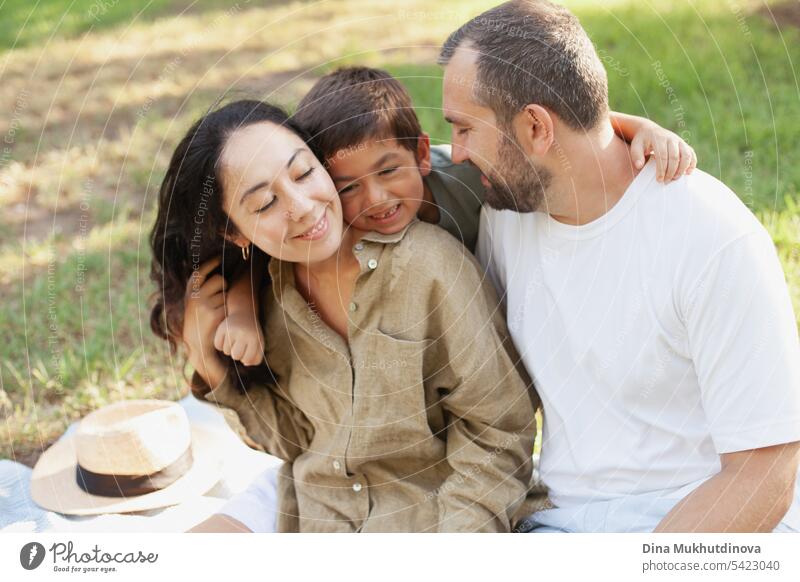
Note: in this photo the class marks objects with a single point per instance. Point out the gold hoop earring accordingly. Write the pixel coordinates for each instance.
(246, 252)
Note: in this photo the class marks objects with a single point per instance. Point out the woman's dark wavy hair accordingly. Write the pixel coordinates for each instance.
(191, 222)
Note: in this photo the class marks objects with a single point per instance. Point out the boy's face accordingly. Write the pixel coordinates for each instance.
(380, 183)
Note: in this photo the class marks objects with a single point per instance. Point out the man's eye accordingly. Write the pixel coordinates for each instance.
(463, 131)
(387, 171)
(266, 206)
(306, 174)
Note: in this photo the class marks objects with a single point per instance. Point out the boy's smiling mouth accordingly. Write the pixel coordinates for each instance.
(386, 216)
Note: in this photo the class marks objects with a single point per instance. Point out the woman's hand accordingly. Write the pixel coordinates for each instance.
(204, 310)
(674, 157)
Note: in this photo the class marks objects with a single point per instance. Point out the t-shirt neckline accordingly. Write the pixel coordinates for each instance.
(604, 223)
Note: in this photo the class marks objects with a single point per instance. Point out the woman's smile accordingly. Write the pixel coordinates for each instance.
(318, 230)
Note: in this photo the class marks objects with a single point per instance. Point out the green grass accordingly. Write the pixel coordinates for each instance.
(101, 106)
(25, 23)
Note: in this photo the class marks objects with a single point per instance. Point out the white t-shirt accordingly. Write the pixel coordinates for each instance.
(659, 336)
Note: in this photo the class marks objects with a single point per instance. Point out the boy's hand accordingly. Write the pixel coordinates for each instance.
(204, 308)
(240, 336)
(674, 157)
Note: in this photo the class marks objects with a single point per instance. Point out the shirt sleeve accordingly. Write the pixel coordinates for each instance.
(742, 336)
(269, 418)
(491, 424)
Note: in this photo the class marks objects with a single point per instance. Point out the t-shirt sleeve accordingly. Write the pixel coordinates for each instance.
(486, 255)
(742, 336)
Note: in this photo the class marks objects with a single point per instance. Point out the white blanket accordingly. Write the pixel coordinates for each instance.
(18, 513)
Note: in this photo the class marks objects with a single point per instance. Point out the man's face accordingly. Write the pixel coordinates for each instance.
(512, 180)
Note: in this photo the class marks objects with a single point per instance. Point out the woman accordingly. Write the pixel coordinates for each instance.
(392, 393)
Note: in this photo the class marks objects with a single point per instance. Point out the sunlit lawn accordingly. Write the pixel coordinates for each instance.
(95, 101)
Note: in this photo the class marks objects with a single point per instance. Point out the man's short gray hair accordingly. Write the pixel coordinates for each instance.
(533, 51)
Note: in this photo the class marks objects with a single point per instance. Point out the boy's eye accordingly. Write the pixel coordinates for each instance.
(305, 175)
(463, 131)
(386, 171)
(348, 188)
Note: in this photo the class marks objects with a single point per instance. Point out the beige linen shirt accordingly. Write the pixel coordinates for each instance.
(423, 421)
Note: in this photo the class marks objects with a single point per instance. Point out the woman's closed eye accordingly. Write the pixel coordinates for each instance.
(302, 177)
(266, 206)
(387, 171)
(305, 174)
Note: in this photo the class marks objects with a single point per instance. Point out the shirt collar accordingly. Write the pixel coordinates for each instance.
(282, 272)
(377, 237)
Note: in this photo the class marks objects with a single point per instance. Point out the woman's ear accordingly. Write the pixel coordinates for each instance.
(424, 153)
(236, 238)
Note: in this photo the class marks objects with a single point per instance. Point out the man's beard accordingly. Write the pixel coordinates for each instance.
(517, 183)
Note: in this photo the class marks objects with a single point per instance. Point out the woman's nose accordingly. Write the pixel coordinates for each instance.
(299, 206)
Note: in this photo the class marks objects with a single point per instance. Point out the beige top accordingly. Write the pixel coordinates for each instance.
(421, 423)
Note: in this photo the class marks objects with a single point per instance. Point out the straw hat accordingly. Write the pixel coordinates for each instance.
(129, 456)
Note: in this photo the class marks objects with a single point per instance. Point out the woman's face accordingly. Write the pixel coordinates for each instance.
(278, 195)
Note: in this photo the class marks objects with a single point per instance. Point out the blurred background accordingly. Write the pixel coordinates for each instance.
(96, 93)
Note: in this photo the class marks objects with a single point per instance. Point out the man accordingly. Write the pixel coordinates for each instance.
(654, 318)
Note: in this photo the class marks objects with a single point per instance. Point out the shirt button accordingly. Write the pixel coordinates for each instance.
(356, 487)
(372, 263)
(353, 306)
(359, 247)
(337, 465)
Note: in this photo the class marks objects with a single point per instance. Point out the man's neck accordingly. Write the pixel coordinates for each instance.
(599, 171)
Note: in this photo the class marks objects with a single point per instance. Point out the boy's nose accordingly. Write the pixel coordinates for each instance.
(376, 194)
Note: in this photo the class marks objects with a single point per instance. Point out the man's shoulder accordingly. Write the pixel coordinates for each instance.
(698, 208)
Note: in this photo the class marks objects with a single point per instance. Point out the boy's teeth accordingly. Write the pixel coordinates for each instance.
(387, 213)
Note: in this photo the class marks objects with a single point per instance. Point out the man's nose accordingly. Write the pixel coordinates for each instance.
(458, 152)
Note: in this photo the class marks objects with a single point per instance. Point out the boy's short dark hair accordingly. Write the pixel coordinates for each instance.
(534, 51)
(353, 104)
